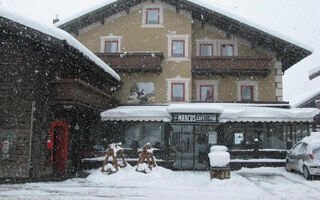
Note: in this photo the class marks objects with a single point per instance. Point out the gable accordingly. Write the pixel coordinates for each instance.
(288, 52)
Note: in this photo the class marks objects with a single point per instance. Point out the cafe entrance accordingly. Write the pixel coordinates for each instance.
(191, 145)
(191, 141)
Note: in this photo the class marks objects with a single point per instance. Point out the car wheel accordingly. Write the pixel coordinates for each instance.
(288, 168)
(306, 173)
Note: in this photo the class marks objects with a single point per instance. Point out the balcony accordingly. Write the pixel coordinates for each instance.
(133, 61)
(79, 92)
(232, 65)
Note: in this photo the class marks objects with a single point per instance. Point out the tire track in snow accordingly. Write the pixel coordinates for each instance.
(258, 184)
(266, 189)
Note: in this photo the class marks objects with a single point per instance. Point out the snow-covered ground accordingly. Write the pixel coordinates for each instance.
(245, 184)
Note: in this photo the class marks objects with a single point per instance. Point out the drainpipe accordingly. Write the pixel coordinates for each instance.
(31, 134)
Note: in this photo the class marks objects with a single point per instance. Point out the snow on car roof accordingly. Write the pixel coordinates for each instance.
(59, 34)
(314, 138)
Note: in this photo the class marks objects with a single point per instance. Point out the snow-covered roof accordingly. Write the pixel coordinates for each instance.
(250, 23)
(194, 108)
(306, 98)
(282, 43)
(314, 73)
(137, 113)
(59, 34)
(265, 114)
(229, 113)
(86, 11)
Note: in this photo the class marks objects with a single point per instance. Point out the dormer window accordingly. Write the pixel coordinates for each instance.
(227, 49)
(153, 16)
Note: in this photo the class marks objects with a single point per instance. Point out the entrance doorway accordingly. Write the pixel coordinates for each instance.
(191, 145)
(60, 145)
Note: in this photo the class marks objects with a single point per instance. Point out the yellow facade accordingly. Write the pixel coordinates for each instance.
(136, 38)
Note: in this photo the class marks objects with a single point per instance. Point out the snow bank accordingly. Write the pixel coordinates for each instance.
(59, 34)
(219, 157)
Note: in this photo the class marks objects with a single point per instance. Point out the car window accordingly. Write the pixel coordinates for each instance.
(296, 149)
(303, 148)
(316, 153)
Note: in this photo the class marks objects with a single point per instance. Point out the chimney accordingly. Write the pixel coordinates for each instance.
(56, 19)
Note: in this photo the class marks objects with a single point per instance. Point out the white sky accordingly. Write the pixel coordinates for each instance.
(298, 19)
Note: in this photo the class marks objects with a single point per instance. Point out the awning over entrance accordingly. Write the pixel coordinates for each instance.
(229, 112)
(137, 113)
(267, 114)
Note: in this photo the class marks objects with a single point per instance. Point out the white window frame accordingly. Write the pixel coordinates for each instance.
(255, 86)
(215, 84)
(207, 41)
(144, 16)
(104, 39)
(234, 43)
(172, 37)
(178, 79)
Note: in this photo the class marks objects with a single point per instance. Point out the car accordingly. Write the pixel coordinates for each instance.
(304, 157)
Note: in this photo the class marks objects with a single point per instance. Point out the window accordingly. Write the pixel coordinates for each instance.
(139, 134)
(111, 46)
(153, 16)
(7, 145)
(206, 49)
(238, 138)
(206, 92)
(178, 48)
(227, 49)
(247, 93)
(177, 92)
(142, 93)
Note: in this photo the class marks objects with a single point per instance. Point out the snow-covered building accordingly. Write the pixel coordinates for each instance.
(226, 73)
(52, 90)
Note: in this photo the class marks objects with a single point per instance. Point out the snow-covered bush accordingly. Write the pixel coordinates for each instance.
(219, 157)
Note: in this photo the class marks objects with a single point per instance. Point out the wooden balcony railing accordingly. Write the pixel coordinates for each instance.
(74, 90)
(133, 61)
(231, 65)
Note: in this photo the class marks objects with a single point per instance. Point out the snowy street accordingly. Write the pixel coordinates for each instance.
(259, 183)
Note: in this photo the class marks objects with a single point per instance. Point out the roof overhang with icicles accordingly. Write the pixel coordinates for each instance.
(228, 113)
